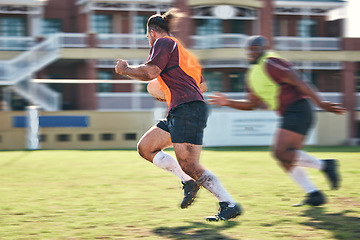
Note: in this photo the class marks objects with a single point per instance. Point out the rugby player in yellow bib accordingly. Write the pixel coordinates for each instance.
(273, 82)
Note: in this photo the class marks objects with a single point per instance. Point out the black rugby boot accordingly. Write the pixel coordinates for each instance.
(191, 188)
(225, 212)
(332, 173)
(315, 198)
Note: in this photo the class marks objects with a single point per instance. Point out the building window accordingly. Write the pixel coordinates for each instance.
(140, 25)
(12, 26)
(208, 27)
(314, 79)
(276, 27)
(104, 87)
(307, 28)
(311, 77)
(214, 81)
(281, 27)
(51, 26)
(101, 23)
(237, 81)
(237, 26)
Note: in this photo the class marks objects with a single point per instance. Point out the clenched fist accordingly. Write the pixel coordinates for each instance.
(121, 66)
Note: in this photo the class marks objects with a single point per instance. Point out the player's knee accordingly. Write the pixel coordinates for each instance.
(284, 156)
(141, 149)
(146, 151)
(276, 154)
(281, 160)
(286, 166)
(279, 155)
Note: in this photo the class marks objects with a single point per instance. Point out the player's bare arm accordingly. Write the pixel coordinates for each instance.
(144, 72)
(294, 78)
(250, 103)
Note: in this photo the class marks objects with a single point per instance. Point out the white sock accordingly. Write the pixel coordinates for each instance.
(298, 174)
(210, 182)
(167, 162)
(306, 160)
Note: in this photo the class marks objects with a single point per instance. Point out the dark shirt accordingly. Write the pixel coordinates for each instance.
(278, 69)
(180, 86)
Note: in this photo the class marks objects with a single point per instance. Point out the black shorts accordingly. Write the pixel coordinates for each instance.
(186, 122)
(298, 117)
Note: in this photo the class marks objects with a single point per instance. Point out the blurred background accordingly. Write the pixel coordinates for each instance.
(49, 49)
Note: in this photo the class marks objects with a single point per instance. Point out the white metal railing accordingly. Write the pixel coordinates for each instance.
(138, 100)
(307, 43)
(318, 65)
(214, 63)
(336, 97)
(113, 40)
(29, 62)
(127, 40)
(106, 63)
(144, 101)
(16, 43)
(17, 73)
(127, 101)
(69, 40)
(110, 63)
(73, 40)
(132, 1)
(243, 63)
(219, 41)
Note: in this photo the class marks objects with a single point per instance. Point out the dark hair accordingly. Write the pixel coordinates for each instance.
(257, 41)
(165, 22)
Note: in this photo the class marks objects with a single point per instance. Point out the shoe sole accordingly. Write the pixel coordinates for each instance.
(217, 219)
(303, 204)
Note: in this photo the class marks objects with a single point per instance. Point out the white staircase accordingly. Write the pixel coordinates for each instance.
(17, 74)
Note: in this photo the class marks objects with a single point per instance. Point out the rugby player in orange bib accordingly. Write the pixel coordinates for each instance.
(273, 81)
(179, 75)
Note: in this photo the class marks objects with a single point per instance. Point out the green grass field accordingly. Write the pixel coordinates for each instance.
(114, 194)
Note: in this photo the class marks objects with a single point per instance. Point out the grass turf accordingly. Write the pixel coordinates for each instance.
(114, 194)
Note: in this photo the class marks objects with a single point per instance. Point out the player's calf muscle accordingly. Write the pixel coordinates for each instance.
(194, 170)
